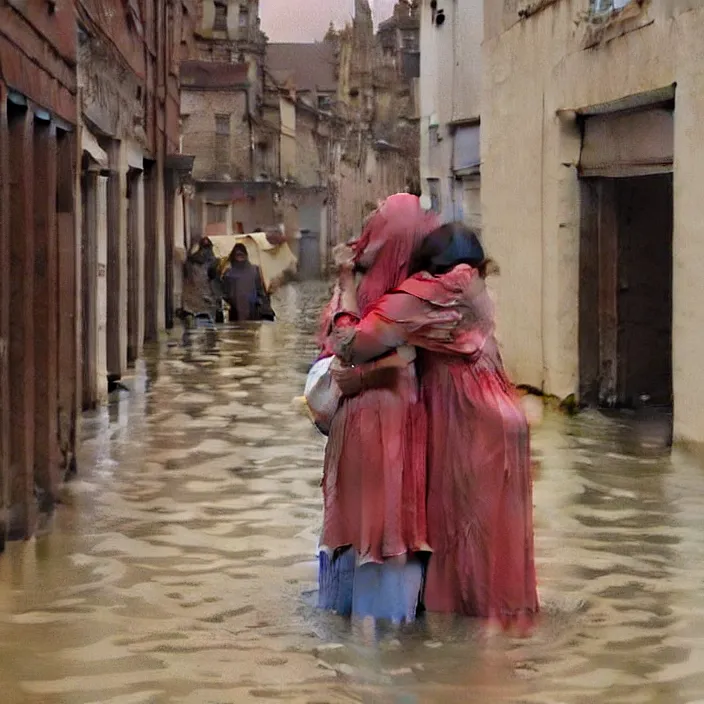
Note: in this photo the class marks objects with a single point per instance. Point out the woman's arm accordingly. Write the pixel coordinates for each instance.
(385, 328)
(379, 374)
(348, 292)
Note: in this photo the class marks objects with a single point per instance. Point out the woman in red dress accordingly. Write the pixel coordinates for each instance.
(480, 511)
(374, 482)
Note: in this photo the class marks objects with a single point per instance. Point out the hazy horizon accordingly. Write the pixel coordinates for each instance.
(308, 20)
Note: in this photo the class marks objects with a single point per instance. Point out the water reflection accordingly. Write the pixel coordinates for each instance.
(181, 571)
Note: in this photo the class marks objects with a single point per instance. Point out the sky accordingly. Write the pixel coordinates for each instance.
(308, 20)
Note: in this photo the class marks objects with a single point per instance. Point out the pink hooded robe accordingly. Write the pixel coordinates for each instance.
(374, 482)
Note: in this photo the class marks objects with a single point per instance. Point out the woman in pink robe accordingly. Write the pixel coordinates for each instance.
(480, 511)
(374, 482)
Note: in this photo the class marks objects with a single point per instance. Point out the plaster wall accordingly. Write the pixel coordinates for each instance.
(536, 71)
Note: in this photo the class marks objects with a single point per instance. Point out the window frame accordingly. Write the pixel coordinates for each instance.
(220, 18)
(600, 8)
(221, 210)
(220, 120)
(435, 194)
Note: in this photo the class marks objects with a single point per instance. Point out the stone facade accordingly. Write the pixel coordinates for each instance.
(215, 120)
(450, 108)
(590, 124)
(221, 108)
(330, 127)
(128, 74)
(378, 97)
(228, 31)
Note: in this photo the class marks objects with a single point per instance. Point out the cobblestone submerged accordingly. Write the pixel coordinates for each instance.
(181, 569)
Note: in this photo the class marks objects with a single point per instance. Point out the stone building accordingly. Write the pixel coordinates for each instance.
(300, 103)
(257, 119)
(228, 31)
(397, 77)
(304, 136)
(221, 126)
(356, 121)
(377, 94)
(450, 112)
(90, 215)
(132, 177)
(592, 172)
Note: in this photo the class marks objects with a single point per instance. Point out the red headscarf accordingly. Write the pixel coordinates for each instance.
(392, 233)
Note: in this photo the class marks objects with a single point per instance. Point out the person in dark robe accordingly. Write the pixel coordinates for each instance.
(244, 290)
(200, 290)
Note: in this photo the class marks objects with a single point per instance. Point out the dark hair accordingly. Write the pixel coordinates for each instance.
(447, 247)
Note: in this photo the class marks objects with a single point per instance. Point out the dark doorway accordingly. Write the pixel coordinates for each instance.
(89, 281)
(135, 266)
(309, 260)
(152, 302)
(626, 291)
(309, 255)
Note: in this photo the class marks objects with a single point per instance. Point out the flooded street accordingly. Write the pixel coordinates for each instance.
(181, 569)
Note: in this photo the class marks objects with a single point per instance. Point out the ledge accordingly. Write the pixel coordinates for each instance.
(528, 8)
(600, 29)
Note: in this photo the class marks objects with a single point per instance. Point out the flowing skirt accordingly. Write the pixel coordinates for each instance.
(374, 490)
(480, 507)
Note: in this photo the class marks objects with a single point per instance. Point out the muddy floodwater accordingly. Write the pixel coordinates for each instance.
(181, 567)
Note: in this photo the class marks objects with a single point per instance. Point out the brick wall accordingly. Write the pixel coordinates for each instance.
(49, 78)
(216, 155)
(310, 170)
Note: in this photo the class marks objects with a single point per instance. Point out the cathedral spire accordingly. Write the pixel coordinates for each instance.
(362, 9)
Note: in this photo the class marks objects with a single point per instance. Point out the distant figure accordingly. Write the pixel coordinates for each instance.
(244, 289)
(200, 294)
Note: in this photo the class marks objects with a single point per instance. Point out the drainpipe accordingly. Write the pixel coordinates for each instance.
(251, 131)
(280, 175)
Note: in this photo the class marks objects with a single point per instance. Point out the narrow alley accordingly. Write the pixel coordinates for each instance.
(181, 568)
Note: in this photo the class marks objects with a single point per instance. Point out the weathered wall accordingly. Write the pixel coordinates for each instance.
(112, 97)
(289, 145)
(450, 88)
(27, 30)
(359, 189)
(550, 62)
(250, 204)
(395, 109)
(467, 38)
(436, 83)
(270, 143)
(309, 168)
(216, 155)
(39, 307)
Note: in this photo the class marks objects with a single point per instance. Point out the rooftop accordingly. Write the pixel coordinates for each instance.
(310, 66)
(213, 76)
